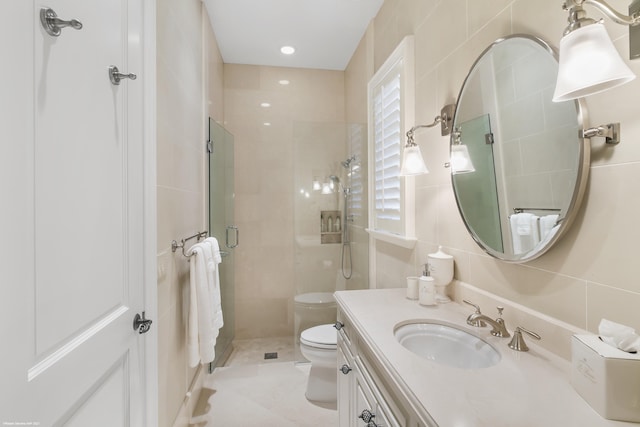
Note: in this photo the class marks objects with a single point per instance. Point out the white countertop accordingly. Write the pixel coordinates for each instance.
(525, 389)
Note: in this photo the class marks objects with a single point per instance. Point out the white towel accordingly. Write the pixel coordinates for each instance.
(202, 334)
(214, 279)
(524, 232)
(547, 222)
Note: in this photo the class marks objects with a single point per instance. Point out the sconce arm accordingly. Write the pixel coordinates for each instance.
(605, 8)
(444, 119)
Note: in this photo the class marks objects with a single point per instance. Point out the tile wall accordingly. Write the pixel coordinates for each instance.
(189, 79)
(590, 273)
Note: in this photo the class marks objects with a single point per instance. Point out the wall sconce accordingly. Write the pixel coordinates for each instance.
(589, 63)
(460, 158)
(412, 161)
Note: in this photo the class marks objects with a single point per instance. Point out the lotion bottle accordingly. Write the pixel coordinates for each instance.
(427, 288)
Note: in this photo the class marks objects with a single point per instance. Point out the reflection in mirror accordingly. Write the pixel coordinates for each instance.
(529, 163)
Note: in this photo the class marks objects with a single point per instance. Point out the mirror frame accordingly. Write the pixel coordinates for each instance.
(582, 173)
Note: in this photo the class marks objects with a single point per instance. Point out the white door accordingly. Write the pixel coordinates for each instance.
(72, 225)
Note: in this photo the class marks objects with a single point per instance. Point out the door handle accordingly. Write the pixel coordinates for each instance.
(237, 237)
(54, 25)
(115, 75)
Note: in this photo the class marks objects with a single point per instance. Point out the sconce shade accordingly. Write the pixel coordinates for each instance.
(326, 188)
(461, 160)
(412, 162)
(589, 64)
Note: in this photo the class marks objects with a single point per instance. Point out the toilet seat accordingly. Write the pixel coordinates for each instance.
(322, 336)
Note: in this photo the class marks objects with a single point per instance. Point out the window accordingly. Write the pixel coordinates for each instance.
(391, 104)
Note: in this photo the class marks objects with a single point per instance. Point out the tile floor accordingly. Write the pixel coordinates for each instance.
(250, 391)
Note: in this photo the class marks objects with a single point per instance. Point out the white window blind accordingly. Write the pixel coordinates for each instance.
(391, 101)
(387, 153)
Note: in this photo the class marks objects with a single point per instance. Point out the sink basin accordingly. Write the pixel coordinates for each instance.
(447, 345)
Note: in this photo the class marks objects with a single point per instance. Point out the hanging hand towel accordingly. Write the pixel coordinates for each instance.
(524, 232)
(201, 334)
(214, 277)
(547, 223)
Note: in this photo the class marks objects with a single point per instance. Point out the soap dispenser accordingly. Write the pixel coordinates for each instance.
(427, 288)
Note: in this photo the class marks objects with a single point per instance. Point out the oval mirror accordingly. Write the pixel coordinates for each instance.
(518, 165)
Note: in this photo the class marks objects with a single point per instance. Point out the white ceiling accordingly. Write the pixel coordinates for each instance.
(325, 33)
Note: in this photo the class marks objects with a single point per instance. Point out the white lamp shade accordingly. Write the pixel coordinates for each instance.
(589, 64)
(460, 159)
(412, 162)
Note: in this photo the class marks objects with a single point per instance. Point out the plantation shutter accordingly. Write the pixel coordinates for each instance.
(387, 156)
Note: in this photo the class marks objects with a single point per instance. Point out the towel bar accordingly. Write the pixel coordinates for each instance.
(521, 210)
(175, 245)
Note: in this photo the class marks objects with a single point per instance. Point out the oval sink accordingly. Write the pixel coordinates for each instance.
(447, 345)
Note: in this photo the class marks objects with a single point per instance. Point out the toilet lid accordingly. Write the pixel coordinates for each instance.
(322, 336)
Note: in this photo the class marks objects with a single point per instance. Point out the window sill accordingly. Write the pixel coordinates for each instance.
(394, 239)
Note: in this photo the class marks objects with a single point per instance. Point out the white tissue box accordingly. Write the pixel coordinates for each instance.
(606, 377)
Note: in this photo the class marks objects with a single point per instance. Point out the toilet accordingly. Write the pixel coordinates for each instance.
(318, 345)
(315, 315)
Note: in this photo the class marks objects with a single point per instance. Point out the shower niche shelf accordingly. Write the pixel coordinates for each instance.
(330, 227)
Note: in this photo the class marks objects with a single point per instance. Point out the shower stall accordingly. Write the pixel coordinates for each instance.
(329, 218)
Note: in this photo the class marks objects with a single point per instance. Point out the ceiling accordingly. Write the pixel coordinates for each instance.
(325, 33)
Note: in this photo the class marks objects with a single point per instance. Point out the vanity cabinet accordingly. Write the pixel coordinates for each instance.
(364, 399)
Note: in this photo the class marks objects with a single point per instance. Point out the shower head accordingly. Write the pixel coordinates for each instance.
(347, 163)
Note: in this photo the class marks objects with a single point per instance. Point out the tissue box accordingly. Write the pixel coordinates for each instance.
(606, 377)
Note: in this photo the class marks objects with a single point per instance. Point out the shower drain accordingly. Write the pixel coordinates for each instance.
(270, 355)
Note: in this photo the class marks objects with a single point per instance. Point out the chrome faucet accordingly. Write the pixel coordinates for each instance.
(499, 328)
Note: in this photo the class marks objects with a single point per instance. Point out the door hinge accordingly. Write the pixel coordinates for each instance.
(209, 147)
(488, 138)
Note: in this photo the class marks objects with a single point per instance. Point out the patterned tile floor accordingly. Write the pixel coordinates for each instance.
(250, 391)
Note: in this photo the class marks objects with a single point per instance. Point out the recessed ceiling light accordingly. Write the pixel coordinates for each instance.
(265, 104)
(287, 50)
(284, 82)
(267, 124)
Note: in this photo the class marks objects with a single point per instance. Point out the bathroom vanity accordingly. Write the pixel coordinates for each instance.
(382, 383)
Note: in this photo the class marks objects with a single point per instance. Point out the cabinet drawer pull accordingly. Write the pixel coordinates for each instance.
(339, 325)
(366, 415)
(345, 369)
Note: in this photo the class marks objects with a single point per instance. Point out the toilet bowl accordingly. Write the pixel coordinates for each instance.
(318, 345)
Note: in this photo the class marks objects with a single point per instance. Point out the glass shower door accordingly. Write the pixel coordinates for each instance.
(221, 220)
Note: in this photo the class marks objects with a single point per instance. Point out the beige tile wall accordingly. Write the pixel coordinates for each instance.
(592, 272)
(189, 74)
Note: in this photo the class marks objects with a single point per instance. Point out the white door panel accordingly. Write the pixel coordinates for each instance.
(80, 155)
(75, 359)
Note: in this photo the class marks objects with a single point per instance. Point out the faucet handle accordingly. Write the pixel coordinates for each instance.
(517, 342)
(474, 322)
(500, 309)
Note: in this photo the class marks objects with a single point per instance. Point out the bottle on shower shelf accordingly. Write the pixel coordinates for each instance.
(337, 224)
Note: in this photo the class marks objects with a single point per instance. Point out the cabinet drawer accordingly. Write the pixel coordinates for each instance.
(384, 415)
